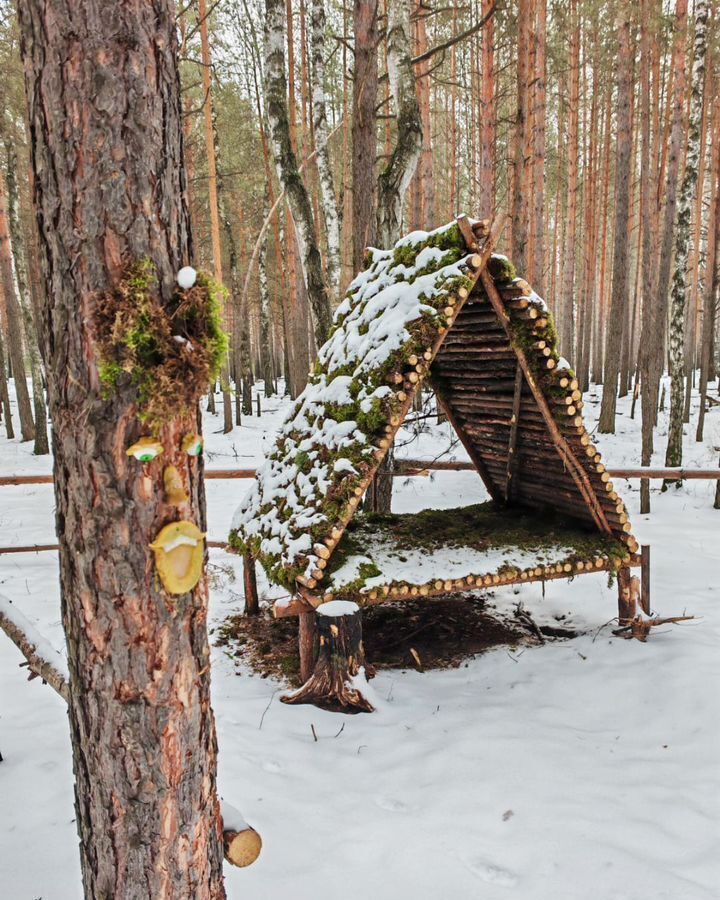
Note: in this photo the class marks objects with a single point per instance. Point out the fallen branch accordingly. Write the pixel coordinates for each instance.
(43, 660)
(242, 844)
(639, 627)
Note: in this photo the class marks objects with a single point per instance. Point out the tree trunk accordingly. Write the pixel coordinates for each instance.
(426, 180)
(327, 186)
(109, 191)
(488, 115)
(364, 144)
(340, 671)
(266, 347)
(650, 346)
(4, 394)
(537, 258)
(395, 178)
(287, 167)
(14, 322)
(520, 195)
(620, 279)
(210, 148)
(673, 455)
(31, 336)
(712, 274)
(567, 288)
(670, 192)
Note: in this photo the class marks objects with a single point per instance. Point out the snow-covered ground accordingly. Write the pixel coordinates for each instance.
(586, 768)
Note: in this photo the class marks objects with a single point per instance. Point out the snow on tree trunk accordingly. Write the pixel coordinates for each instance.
(109, 189)
(395, 178)
(673, 455)
(327, 188)
(287, 167)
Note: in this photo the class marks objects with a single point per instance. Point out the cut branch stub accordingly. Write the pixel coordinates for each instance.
(340, 671)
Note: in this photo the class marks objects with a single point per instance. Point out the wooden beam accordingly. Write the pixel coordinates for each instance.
(297, 605)
(512, 441)
(645, 578)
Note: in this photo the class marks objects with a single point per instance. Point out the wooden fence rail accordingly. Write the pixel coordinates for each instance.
(403, 468)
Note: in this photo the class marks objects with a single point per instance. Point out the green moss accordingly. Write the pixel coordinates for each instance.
(406, 255)
(502, 270)
(136, 333)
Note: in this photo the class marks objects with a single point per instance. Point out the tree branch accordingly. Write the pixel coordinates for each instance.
(428, 54)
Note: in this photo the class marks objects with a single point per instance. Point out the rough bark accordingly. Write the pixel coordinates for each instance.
(620, 279)
(425, 172)
(673, 455)
(41, 446)
(336, 681)
(14, 321)
(327, 186)
(266, 347)
(106, 139)
(395, 178)
(365, 89)
(288, 171)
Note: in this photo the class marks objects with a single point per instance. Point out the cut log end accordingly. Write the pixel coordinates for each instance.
(242, 848)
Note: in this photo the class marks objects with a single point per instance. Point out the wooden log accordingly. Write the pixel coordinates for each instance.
(628, 594)
(337, 679)
(241, 843)
(252, 601)
(22, 633)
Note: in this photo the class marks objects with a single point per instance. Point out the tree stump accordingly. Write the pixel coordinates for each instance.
(340, 671)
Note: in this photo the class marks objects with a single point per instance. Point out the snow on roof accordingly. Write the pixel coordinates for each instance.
(329, 442)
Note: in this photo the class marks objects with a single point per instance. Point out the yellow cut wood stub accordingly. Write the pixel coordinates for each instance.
(242, 848)
(179, 550)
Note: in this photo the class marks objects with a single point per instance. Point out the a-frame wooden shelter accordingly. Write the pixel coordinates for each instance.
(439, 306)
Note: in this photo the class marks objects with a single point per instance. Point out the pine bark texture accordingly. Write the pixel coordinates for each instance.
(488, 115)
(567, 287)
(673, 455)
(106, 137)
(520, 199)
(621, 276)
(287, 166)
(395, 178)
(320, 126)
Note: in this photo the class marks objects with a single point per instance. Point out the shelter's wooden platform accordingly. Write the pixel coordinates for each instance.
(436, 552)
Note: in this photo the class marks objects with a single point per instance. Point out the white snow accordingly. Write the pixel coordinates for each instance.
(335, 608)
(186, 277)
(580, 769)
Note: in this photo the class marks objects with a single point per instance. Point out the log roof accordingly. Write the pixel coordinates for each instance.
(439, 306)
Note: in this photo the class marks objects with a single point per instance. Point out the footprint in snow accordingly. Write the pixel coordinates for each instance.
(391, 804)
(271, 766)
(491, 874)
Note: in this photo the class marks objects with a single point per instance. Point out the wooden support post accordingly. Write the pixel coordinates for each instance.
(645, 578)
(627, 596)
(337, 679)
(252, 602)
(512, 443)
(306, 642)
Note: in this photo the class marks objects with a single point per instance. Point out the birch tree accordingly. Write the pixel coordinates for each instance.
(288, 171)
(327, 186)
(395, 178)
(673, 455)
